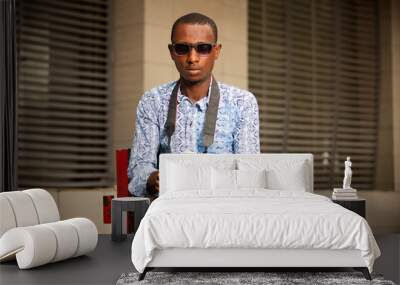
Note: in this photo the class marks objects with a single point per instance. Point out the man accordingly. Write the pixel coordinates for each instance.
(195, 113)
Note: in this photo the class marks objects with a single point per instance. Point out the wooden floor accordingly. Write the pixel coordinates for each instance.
(110, 260)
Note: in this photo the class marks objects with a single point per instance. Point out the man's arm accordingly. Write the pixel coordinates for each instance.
(246, 135)
(143, 160)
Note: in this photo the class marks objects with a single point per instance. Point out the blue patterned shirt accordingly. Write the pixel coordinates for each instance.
(236, 131)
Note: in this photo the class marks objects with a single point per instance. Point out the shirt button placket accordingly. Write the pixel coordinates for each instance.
(194, 131)
(190, 126)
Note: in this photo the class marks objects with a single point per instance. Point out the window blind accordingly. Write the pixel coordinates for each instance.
(63, 93)
(313, 68)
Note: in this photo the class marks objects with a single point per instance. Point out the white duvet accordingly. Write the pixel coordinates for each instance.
(252, 218)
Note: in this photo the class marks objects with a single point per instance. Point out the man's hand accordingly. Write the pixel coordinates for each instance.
(153, 184)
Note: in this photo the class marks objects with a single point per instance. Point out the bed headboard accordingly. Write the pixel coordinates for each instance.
(231, 160)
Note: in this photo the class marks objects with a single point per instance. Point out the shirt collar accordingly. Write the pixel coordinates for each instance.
(202, 104)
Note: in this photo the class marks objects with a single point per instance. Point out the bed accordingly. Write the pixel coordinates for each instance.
(238, 210)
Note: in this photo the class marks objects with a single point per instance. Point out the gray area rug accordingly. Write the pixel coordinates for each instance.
(275, 278)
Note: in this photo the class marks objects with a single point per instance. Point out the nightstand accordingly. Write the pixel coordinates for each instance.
(356, 205)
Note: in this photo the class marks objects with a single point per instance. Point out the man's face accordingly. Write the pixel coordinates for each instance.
(194, 67)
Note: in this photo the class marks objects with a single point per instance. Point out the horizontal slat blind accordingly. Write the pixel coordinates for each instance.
(63, 93)
(313, 68)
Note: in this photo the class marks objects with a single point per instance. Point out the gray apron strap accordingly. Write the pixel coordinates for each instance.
(210, 120)
(211, 116)
(171, 117)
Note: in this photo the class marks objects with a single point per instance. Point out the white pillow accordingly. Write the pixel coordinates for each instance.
(289, 180)
(223, 179)
(251, 178)
(282, 174)
(184, 177)
(226, 179)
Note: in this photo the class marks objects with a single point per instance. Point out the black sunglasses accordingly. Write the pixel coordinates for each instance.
(184, 49)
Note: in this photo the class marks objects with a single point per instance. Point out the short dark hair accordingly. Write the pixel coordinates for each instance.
(195, 18)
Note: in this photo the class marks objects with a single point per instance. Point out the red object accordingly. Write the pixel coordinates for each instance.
(107, 209)
(122, 161)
